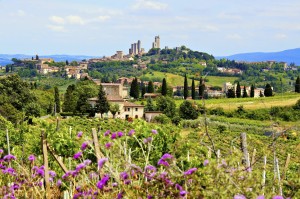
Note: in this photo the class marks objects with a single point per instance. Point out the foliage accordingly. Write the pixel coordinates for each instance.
(56, 100)
(134, 89)
(245, 94)
(297, 85)
(102, 105)
(193, 89)
(268, 92)
(114, 108)
(230, 93)
(187, 110)
(252, 91)
(149, 105)
(150, 88)
(201, 88)
(164, 87)
(238, 90)
(185, 88)
(166, 105)
(69, 99)
(162, 119)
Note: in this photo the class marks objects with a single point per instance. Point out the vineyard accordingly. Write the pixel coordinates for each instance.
(93, 158)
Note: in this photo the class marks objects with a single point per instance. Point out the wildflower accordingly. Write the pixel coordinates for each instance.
(58, 183)
(127, 181)
(120, 195)
(87, 162)
(80, 166)
(101, 162)
(178, 187)
(120, 134)
(108, 145)
(182, 193)
(149, 197)
(79, 135)
(9, 157)
(77, 155)
(31, 158)
(103, 182)
(9, 171)
(1, 151)
(162, 160)
(114, 184)
(131, 132)
(113, 136)
(278, 197)
(52, 174)
(206, 162)
(93, 175)
(260, 197)
(77, 195)
(154, 131)
(190, 171)
(147, 140)
(167, 156)
(123, 175)
(107, 133)
(239, 197)
(84, 145)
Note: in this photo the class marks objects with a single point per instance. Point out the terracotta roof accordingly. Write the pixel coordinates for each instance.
(130, 104)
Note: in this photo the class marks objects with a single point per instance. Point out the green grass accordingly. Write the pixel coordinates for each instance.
(177, 80)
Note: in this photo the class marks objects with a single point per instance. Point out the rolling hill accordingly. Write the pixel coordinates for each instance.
(289, 56)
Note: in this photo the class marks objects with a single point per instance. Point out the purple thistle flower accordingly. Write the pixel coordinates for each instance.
(123, 175)
(77, 195)
(149, 197)
(120, 195)
(239, 196)
(31, 158)
(190, 171)
(103, 182)
(113, 136)
(58, 183)
(154, 131)
(182, 193)
(1, 151)
(107, 133)
(87, 162)
(260, 197)
(114, 184)
(147, 140)
(93, 175)
(127, 181)
(131, 132)
(80, 166)
(79, 135)
(120, 134)
(278, 197)
(206, 162)
(178, 187)
(108, 145)
(9, 171)
(163, 162)
(9, 157)
(150, 167)
(101, 162)
(84, 145)
(77, 155)
(52, 174)
(166, 156)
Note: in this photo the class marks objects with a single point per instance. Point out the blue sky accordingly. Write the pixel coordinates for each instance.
(100, 27)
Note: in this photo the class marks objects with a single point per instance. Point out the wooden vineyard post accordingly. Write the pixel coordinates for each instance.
(61, 164)
(264, 174)
(45, 156)
(7, 139)
(245, 150)
(286, 166)
(96, 144)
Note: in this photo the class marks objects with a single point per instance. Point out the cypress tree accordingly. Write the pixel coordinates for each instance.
(56, 99)
(231, 93)
(193, 90)
(201, 88)
(245, 94)
(69, 99)
(150, 87)
(134, 89)
(297, 85)
(164, 87)
(143, 90)
(252, 91)
(102, 105)
(238, 90)
(185, 88)
(268, 92)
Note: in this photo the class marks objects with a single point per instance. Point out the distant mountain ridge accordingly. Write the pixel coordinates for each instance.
(289, 56)
(6, 58)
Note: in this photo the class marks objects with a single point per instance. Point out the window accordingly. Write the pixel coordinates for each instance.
(128, 109)
(136, 109)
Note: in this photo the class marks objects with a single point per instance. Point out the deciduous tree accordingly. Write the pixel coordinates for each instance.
(268, 92)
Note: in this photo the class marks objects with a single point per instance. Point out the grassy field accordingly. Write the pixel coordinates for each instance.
(176, 80)
(229, 104)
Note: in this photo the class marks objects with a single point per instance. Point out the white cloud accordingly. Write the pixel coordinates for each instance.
(280, 36)
(57, 20)
(234, 36)
(76, 20)
(18, 13)
(152, 5)
(56, 28)
(101, 18)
